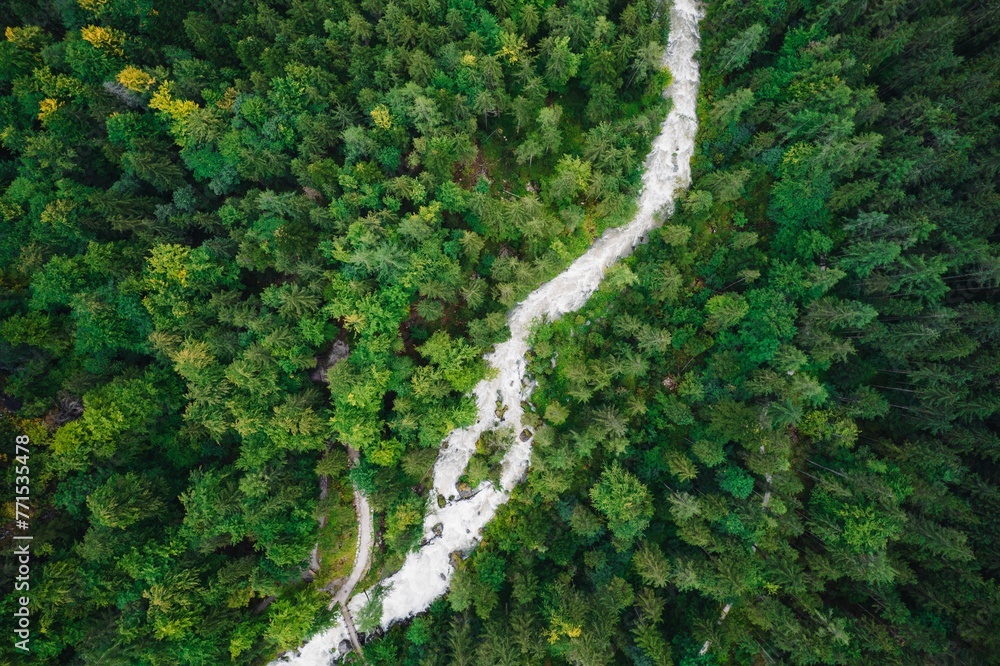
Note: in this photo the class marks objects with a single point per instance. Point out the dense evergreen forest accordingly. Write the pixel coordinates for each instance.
(778, 443)
(205, 202)
(238, 238)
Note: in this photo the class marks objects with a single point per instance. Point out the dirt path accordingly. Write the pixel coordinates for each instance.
(363, 553)
(362, 557)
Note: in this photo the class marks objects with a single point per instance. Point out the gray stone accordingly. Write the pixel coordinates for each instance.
(338, 352)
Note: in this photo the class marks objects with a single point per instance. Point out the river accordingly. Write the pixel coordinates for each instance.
(426, 573)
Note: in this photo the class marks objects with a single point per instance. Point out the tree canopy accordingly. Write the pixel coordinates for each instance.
(238, 237)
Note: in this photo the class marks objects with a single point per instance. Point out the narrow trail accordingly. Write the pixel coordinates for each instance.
(366, 537)
(426, 573)
(362, 558)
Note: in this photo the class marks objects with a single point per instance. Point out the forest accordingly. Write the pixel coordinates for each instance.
(241, 239)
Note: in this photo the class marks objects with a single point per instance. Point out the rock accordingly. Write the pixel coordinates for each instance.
(438, 529)
(464, 490)
(262, 606)
(70, 409)
(441, 501)
(345, 646)
(338, 352)
(525, 435)
(314, 559)
(334, 585)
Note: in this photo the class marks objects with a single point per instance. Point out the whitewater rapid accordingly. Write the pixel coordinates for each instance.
(426, 573)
